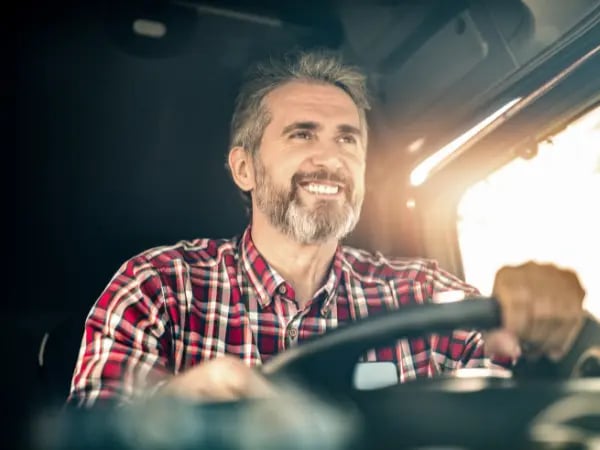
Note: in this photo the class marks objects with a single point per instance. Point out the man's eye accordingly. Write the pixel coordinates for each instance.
(304, 135)
(348, 139)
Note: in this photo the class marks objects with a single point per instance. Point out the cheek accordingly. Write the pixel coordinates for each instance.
(359, 182)
(282, 174)
(358, 169)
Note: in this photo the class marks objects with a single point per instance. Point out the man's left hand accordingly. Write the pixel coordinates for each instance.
(541, 306)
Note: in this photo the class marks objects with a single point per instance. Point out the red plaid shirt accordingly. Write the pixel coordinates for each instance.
(170, 308)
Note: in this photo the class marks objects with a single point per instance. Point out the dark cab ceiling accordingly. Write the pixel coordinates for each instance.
(121, 138)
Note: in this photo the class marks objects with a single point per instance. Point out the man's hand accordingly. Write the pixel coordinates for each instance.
(541, 306)
(223, 379)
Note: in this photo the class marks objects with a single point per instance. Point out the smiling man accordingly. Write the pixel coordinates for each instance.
(306, 176)
(196, 318)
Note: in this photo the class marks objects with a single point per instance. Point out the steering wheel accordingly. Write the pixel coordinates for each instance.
(444, 412)
(326, 363)
(474, 412)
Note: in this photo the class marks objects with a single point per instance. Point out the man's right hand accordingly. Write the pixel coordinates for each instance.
(223, 379)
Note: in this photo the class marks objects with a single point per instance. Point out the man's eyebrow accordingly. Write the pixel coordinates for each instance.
(309, 125)
(350, 129)
(303, 125)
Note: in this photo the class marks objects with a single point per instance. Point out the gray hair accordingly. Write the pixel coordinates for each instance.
(251, 117)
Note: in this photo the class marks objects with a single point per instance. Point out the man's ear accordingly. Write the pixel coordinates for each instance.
(242, 169)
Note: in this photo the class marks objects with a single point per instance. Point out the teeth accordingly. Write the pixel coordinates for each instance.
(322, 188)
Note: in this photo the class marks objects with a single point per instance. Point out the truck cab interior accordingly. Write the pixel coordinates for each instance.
(484, 150)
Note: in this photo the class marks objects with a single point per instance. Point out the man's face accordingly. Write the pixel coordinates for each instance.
(310, 167)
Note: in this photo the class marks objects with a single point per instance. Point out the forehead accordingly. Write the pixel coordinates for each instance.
(296, 101)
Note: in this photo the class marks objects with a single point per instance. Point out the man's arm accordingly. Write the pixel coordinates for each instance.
(127, 350)
(126, 344)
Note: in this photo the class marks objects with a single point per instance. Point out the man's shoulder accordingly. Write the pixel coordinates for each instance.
(375, 266)
(199, 252)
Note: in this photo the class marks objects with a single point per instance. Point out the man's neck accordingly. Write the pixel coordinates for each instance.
(305, 267)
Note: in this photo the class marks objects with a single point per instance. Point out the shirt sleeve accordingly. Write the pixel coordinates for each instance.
(125, 349)
(462, 348)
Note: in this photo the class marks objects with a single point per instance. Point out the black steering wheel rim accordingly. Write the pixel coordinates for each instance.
(326, 363)
(481, 412)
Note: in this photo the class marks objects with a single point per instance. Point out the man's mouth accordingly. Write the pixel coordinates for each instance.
(322, 188)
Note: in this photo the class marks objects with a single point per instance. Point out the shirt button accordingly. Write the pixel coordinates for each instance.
(282, 289)
(292, 332)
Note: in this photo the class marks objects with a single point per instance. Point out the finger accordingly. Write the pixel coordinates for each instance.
(512, 292)
(545, 320)
(560, 347)
(552, 327)
(241, 381)
(574, 287)
(557, 308)
(220, 379)
(259, 386)
(502, 343)
(561, 315)
(230, 377)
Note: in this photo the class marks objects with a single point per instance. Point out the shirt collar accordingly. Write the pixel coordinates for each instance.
(266, 281)
(263, 278)
(329, 290)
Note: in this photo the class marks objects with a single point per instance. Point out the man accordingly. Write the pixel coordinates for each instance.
(196, 318)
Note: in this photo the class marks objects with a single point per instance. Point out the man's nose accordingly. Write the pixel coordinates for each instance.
(327, 155)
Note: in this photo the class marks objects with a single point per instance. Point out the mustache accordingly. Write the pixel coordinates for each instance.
(323, 175)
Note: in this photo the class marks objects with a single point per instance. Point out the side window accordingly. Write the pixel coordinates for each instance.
(545, 209)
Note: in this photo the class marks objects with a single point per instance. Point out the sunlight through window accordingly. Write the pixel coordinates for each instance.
(545, 209)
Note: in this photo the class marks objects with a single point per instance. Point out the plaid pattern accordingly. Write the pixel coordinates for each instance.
(170, 308)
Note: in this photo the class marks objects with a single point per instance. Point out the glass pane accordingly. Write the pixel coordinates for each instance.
(545, 209)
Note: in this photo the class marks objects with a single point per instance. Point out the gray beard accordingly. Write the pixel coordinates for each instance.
(288, 214)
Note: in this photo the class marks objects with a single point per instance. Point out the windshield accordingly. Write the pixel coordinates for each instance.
(546, 209)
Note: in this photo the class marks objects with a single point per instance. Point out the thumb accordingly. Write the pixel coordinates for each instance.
(502, 342)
